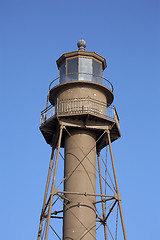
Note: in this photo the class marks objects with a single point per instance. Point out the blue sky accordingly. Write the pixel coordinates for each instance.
(34, 34)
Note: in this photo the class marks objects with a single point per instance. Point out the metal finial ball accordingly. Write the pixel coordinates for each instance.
(81, 44)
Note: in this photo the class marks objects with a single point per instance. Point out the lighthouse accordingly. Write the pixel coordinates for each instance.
(80, 119)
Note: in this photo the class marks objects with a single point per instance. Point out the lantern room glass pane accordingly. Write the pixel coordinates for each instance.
(85, 69)
(62, 72)
(97, 72)
(72, 69)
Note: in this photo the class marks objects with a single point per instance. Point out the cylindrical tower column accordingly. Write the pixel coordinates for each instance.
(79, 219)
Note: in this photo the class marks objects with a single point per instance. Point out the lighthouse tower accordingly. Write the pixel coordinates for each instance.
(79, 123)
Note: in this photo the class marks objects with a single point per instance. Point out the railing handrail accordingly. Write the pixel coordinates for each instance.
(85, 98)
(78, 73)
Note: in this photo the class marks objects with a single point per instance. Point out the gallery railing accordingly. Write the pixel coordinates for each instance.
(80, 106)
(73, 77)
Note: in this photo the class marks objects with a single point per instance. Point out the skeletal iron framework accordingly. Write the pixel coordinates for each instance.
(58, 122)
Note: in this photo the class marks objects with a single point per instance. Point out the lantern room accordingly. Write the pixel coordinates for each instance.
(81, 65)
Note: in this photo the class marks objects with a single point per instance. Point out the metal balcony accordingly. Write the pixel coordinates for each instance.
(78, 106)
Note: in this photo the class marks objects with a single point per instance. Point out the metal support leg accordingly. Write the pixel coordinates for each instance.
(103, 204)
(45, 195)
(53, 184)
(116, 182)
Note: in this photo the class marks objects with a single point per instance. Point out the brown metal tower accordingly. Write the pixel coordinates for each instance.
(83, 123)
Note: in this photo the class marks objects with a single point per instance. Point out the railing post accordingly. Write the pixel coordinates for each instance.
(41, 117)
(88, 105)
(106, 110)
(114, 112)
(57, 107)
